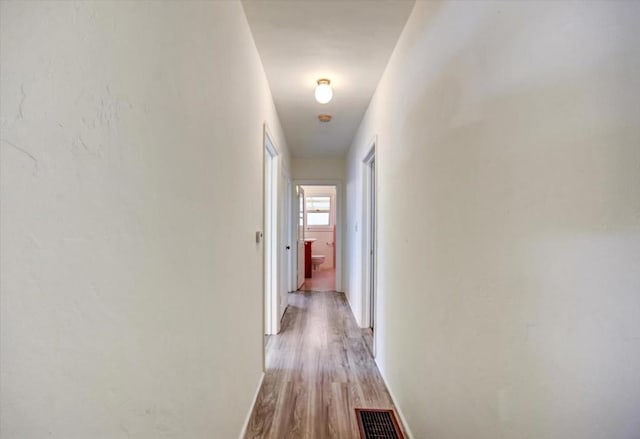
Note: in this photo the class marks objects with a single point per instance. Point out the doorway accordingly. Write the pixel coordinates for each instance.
(270, 237)
(369, 250)
(319, 233)
(300, 221)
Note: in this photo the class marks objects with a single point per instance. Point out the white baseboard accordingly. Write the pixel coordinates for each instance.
(403, 420)
(253, 403)
(346, 296)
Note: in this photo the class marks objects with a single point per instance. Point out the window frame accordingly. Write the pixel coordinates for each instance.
(330, 211)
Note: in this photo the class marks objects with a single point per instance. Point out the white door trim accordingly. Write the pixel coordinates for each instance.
(271, 173)
(369, 247)
(293, 237)
(284, 241)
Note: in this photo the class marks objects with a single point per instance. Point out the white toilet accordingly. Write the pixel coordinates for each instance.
(316, 261)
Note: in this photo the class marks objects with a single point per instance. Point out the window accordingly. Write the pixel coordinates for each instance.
(318, 219)
(319, 211)
(301, 207)
(318, 203)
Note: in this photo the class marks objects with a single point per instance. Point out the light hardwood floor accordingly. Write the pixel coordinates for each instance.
(318, 370)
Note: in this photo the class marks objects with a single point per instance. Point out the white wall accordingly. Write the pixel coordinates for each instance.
(318, 169)
(509, 220)
(132, 163)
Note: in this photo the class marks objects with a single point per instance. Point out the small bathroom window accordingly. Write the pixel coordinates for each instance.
(318, 219)
(319, 211)
(319, 203)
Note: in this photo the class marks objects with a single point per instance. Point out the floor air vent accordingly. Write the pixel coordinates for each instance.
(378, 424)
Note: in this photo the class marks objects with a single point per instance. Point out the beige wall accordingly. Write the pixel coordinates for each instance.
(131, 138)
(318, 169)
(509, 220)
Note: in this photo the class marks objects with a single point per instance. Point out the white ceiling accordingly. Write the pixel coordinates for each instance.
(346, 41)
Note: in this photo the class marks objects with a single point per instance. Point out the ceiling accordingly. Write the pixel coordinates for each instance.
(346, 41)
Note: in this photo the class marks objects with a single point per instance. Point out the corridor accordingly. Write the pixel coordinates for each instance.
(318, 371)
(465, 174)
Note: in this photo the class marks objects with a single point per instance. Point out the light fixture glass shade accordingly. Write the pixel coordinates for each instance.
(323, 91)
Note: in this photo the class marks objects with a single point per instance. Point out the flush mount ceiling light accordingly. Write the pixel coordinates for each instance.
(323, 91)
(324, 117)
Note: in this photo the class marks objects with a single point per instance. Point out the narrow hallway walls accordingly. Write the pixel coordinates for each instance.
(508, 166)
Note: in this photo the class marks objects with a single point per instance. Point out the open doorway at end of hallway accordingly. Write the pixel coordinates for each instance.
(318, 223)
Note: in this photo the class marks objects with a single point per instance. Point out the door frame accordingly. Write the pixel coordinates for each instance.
(271, 170)
(284, 242)
(339, 220)
(291, 188)
(369, 242)
(295, 281)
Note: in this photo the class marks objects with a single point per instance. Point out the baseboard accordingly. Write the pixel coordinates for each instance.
(346, 296)
(253, 403)
(284, 312)
(403, 420)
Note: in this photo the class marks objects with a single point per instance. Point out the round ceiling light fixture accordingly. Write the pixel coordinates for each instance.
(323, 91)
(324, 117)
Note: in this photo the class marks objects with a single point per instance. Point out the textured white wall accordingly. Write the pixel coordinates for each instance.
(509, 220)
(131, 190)
(318, 169)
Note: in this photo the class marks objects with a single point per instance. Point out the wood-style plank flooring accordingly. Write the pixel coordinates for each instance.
(318, 370)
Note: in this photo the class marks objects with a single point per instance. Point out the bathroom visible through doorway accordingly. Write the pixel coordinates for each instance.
(317, 222)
